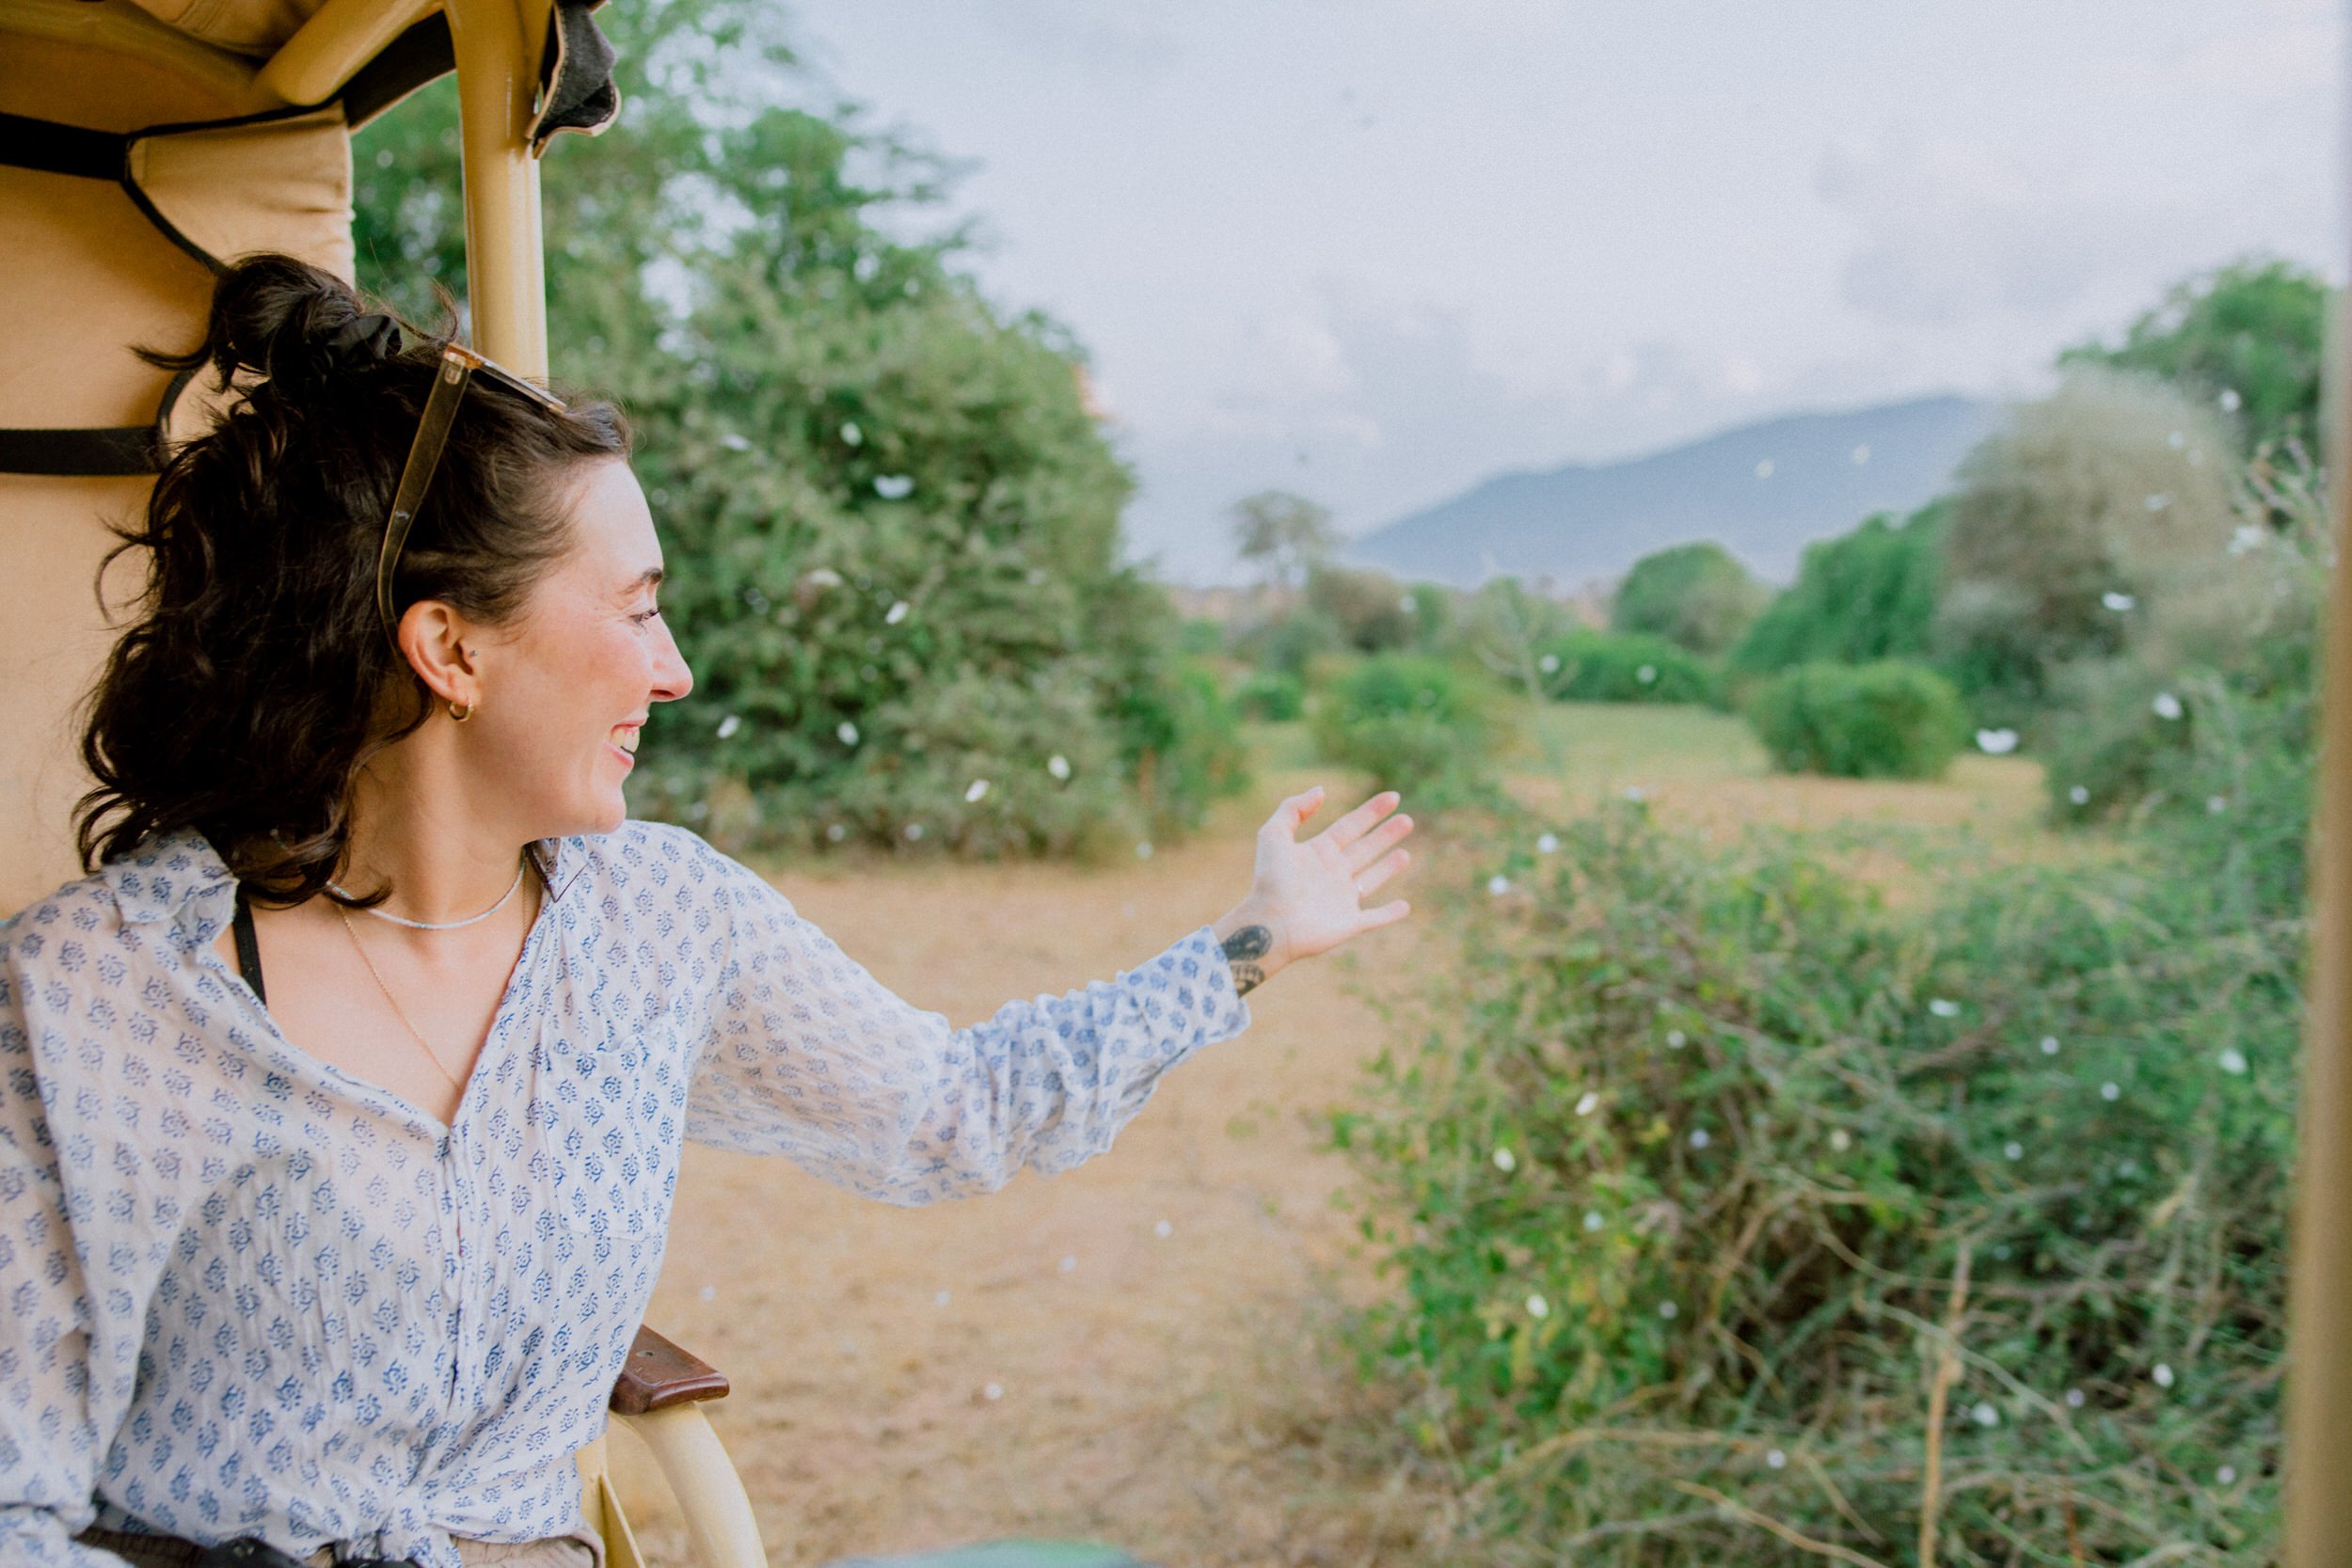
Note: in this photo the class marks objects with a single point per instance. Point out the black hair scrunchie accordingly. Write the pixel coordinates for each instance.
(359, 342)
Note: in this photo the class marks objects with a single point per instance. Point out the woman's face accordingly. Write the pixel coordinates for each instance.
(569, 681)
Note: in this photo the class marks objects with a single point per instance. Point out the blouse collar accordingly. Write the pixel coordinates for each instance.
(167, 871)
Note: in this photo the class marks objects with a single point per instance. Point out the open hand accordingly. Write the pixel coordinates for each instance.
(1308, 898)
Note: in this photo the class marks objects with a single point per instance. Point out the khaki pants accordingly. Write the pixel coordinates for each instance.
(584, 1550)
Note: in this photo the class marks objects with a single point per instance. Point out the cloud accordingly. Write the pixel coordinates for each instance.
(1952, 232)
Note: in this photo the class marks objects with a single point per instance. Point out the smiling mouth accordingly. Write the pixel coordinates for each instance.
(625, 737)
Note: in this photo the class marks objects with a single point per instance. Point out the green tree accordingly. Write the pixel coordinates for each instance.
(2248, 338)
(1862, 597)
(1695, 595)
(894, 523)
(1282, 535)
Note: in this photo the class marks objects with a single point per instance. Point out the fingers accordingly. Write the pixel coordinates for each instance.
(1387, 914)
(1357, 823)
(1386, 836)
(1395, 862)
(1292, 812)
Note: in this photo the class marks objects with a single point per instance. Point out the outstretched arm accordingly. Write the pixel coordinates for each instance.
(1309, 897)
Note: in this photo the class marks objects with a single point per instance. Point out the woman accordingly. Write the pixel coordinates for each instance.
(344, 1100)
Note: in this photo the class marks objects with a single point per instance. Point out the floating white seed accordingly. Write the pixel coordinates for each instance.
(1498, 884)
(1058, 766)
(1776, 1459)
(2233, 1060)
(1547, 844)
(2080, 795)
(1840, 1141)
(1163, 1229)
(1505, 1161)
(975, 790)
(848, 732)
(1539, 1307)
(1676, 1040)
(1068, 1264)
(1593, 1220)
(728, 725)
(1667, 1309)
(993, 1391)
(896, 613)
(942, 1299)
(1942, 1008)
(2049, 1045)
(1587, 1103)
(2074, 1398)
(1698, 1137)
(2012, 1152)
(2163, 1375)
(1984, 1415)
(2166, 706)
(2111, 1091)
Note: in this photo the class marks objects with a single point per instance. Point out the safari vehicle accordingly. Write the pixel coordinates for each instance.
(143, 143)
(141, 147)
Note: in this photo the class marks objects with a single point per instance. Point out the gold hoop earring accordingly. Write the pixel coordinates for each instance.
(461, 713)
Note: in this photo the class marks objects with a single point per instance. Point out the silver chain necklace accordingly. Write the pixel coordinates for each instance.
(441, 925)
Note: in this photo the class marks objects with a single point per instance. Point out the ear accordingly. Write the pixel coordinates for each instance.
(438, 644)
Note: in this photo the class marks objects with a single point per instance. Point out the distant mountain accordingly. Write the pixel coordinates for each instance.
(1763, 491)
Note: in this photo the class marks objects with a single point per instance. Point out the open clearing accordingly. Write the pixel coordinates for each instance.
(1163, 1393)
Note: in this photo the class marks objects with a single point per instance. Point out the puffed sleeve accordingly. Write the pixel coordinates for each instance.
(50, 1443)
(807, 1056)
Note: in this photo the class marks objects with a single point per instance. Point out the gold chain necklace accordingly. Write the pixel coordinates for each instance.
(398, 1011)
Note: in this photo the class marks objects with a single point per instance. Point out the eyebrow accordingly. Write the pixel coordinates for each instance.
(650, 578)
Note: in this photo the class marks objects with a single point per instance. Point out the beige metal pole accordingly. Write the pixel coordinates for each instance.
(497, 75)
(2319, 1302)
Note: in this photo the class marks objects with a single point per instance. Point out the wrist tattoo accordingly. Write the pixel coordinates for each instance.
(1242, 949)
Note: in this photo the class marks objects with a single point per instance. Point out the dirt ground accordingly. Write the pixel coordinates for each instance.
(1129, 1353)
(1160, 1392)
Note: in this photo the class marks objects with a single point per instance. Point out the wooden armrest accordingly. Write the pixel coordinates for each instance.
(659, 1376)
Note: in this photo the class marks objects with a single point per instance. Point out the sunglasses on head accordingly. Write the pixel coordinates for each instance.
(459, 366)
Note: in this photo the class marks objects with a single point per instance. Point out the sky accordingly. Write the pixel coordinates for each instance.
(1375, 251)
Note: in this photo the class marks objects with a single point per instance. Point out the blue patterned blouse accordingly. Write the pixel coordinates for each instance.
(246, 1293)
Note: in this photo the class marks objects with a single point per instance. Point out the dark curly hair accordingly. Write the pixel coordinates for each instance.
(257, 679)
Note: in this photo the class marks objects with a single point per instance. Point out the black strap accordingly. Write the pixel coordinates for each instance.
(425, 52)
(56, 149)
(93, 452)
(249, 948)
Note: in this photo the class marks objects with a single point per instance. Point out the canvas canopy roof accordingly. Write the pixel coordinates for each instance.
(143, 145)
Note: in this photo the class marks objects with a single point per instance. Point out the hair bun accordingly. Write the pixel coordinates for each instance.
(294, 323)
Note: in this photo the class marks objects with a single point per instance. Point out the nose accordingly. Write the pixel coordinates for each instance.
(672, 679)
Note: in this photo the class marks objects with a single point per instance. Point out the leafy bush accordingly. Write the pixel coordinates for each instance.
(1272, 694)
(1417, 724)
(1889, 720)
(2226, 672)
(1697, 596)
(1724, 1200)
(1619, 666)
(2084, 514)
(1860, 597)
(1288, 643)
(1372, 610)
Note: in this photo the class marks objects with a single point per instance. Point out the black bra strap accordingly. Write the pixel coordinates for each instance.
(248, 949)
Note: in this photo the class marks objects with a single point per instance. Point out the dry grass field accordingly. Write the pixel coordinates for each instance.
(1131, 1353)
